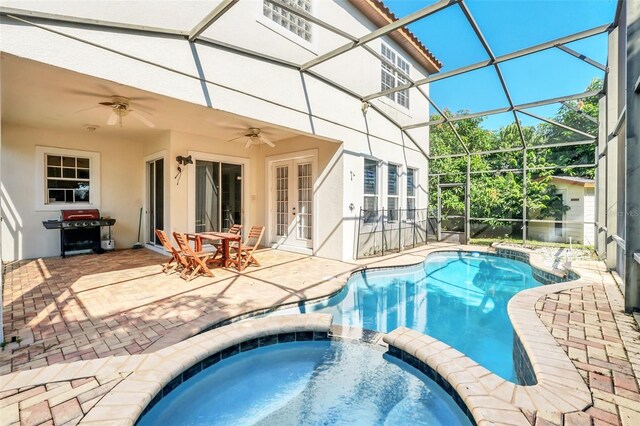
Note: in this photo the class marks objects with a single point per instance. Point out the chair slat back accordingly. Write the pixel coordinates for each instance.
(255, 236)
(183, 243)
(164, 240)
(235, 229)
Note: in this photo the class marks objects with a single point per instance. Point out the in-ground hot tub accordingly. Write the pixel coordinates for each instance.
(314, 382)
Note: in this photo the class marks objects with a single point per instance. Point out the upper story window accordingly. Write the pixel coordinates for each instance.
(294, 23)
(393, 72)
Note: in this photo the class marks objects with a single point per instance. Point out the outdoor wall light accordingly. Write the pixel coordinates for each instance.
(183, 161)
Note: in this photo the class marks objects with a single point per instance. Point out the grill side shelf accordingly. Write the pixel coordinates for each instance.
(52, 224)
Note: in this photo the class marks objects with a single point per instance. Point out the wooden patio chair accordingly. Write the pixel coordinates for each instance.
(249, 247)
(235, 229)
(177, 259)
(197, 261)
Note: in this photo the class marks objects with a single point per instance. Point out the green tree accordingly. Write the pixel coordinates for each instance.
(499, 194)
(579, 154)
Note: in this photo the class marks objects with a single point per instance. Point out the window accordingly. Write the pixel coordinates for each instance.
(393, 192)
(65, 176)
(370, 204)
(393, 72)
(294, 23)
(68, 179)
(411, 193)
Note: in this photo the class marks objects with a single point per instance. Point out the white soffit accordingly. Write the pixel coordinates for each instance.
(181, 15)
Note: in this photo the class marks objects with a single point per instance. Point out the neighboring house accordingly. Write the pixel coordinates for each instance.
(579, 195)
(331, 154)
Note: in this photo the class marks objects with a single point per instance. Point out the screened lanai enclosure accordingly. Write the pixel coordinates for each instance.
(529, 124)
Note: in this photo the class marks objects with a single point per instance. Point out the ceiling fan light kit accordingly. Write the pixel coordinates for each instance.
(121, 107)
(255, 137)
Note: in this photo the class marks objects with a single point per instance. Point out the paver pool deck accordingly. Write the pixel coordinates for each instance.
(103, 307)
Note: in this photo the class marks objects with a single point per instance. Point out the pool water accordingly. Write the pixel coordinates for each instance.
(459, 298)
(308, 383)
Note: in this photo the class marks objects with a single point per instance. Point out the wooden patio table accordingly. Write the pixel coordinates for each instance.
(227, 238)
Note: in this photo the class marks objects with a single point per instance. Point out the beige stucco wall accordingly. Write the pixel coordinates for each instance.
(328, 185)
(23, 235)
(328, 190)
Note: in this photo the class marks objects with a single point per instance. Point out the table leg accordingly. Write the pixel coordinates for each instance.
(239, 257)
(227, 257)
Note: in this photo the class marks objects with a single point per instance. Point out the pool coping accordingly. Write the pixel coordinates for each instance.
(559, 388)
(148, 374)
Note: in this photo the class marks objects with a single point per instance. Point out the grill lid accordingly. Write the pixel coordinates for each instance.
(80, 214)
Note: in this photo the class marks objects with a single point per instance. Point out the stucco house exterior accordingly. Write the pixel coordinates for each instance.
(577, 223)
(100, 99)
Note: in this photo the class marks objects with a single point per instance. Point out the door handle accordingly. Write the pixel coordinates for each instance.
(293, 211)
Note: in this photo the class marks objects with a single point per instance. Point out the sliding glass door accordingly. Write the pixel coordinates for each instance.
(218, 195)
(155, 199)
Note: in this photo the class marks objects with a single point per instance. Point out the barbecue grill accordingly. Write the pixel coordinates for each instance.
(79, 229)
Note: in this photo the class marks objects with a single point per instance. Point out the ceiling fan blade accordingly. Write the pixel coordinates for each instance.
(143, 119)
(77, 92)
(267, 141)
(248, 144)
(113, 119)
(86, 109)
(109, 104)
(235, 139)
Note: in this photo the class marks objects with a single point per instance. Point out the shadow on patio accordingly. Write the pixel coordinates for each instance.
(118, 303)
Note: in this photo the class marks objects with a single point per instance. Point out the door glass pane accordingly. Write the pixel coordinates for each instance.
(282, 200)
(305, 201)
(231, 195)
(207, 196)
(151, 202)
(155, 199)
(159, 194)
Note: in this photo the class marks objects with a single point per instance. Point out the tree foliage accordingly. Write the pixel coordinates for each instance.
(499, 194)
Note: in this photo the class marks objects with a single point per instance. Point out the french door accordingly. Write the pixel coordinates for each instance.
(292, 203)
(155, 199)
(218, 195)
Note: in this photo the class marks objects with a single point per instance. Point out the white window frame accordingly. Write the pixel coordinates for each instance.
(41, 196)
(413, 197)
(395, 66)
(376, 195)
(395, 196)
(311, 45)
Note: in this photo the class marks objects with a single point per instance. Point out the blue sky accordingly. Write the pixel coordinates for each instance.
(510, 25)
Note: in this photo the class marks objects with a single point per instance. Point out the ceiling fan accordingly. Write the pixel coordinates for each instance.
(121, 107)
(254, 137)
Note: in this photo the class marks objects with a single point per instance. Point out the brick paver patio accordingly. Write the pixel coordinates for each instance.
(89, 307)
(120, 303)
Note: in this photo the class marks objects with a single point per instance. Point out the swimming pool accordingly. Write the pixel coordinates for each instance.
(459, 298)
(311, 383)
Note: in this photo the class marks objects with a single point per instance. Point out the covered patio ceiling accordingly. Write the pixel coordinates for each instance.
(40, 95)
